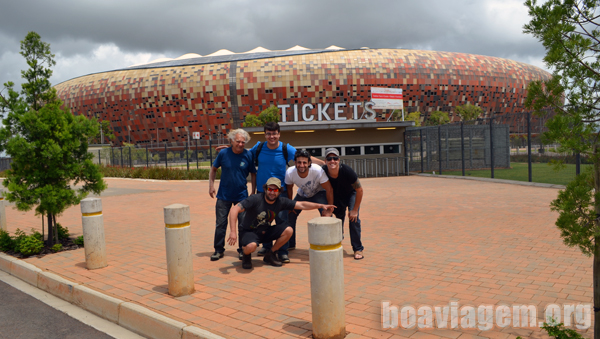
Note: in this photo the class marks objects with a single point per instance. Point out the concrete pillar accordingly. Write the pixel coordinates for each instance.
(326, 278)
(3, 215)
(92, 222)
(179, 250)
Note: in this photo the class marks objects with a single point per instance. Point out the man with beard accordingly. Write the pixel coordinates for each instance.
(313, 185)
(260, 211)
(347, 194)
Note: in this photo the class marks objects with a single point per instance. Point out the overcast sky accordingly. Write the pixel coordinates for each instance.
(95, 36)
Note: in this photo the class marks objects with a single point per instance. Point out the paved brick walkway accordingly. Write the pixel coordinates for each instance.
(428, 241)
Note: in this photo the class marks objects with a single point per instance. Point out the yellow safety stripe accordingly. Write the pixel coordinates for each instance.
(177, 225)
(325, 247)
(91, 214)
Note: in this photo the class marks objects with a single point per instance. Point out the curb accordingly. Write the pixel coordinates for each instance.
(129, 315)
(498, 181)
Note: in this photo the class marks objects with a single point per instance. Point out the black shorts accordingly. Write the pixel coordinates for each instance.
(273, 233)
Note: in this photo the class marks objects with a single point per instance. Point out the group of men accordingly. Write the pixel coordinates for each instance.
(271, 213)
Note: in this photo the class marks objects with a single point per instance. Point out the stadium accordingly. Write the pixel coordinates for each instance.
(320, 93)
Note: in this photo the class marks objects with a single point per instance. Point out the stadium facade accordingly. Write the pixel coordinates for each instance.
(321, 91)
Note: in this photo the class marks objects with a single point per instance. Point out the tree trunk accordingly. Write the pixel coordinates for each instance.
(56, 241)
(50, 240)
(596, 269)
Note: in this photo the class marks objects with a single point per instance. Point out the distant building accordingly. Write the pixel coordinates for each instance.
(168, 99)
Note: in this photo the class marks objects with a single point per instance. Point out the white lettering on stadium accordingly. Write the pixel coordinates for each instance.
(338, 111)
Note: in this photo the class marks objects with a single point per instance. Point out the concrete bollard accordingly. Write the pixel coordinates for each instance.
(178, 235)
(92, 223)
(3, 215)
(326, 278)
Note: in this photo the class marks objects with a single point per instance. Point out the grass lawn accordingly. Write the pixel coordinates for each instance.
(540, 172)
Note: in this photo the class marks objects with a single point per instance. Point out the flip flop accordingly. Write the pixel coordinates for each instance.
(360, 254)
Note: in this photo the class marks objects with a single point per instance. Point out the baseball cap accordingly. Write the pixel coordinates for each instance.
(332, 150)
(274, 181)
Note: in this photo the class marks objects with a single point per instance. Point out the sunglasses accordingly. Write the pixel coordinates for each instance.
(333, 158)
(272, 189)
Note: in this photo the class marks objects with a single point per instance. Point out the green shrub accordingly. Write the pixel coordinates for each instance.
(78, 241)
(63, 232)
(17, 239)
(157, 173)
(30, 245)
(57, 248)
(6, 242)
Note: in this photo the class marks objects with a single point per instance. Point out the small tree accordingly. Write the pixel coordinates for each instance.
(270, 114)
(468, 112)
(569, 30)
(416, 117)
(438, 118)
(48, 145)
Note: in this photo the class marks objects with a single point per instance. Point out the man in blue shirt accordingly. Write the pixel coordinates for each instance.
(272, 163)
(236, 163)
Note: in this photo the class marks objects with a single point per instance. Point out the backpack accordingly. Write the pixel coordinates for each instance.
(260, 146)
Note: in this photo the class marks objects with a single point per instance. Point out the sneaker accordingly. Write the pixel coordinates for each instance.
(241, 255)
(262, 252)
(271, 259)
(284, 258)
(216, 256)
(247, 261)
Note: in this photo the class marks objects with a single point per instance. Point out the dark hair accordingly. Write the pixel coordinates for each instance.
(272, 126)
(302, 153)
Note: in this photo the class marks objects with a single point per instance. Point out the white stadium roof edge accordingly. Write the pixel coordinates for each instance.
(222, 52)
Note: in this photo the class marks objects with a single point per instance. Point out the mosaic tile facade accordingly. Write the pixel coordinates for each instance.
(164, 103)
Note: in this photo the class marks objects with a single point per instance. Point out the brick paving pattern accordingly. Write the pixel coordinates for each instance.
(428, 241)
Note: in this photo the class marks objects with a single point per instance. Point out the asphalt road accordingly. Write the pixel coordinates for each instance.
(22, 316)
(29, 313)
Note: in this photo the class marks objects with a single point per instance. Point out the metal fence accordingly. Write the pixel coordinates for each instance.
(378, 167)
(173, 154)
(456, 147)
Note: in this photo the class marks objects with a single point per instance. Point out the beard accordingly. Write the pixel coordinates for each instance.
(269, 198)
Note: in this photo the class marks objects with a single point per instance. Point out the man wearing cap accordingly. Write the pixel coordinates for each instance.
(236, 163)
(347, 194)
(270, 158)
(260, 211)
(313, 185)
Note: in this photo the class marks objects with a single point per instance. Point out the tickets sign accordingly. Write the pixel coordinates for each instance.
(385, 98)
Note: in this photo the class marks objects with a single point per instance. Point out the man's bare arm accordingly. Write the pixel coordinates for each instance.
(211, 181)
(317, 161)
(233, 216)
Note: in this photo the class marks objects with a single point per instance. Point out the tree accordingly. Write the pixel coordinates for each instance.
(270, 114)
(568, 29)
(416, 117)
(107, 133)
(468, 112)
(48, 145)
(437, 118)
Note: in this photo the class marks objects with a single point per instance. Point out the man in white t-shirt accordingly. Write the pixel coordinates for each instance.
(313, 185)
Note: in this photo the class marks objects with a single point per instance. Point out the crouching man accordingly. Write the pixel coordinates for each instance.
(261, 211)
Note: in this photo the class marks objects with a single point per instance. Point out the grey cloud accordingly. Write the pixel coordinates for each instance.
(75, 28)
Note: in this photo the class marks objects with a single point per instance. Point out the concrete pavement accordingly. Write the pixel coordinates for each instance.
(428, 241)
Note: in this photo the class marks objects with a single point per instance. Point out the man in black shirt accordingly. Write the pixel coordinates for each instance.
(261, 210)
(347, 193)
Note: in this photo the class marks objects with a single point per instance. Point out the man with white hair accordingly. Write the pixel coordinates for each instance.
(236, 163)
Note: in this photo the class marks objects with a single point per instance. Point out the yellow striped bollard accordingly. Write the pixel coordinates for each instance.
(178, 240)
(92, 223)
(326, 278)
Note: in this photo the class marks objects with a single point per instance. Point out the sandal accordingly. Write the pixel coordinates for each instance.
(358, 255)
